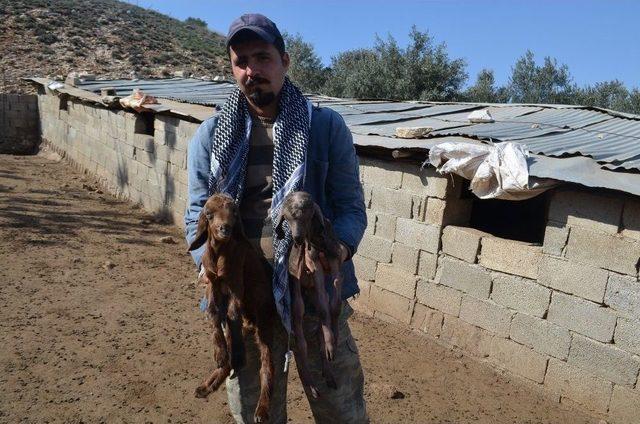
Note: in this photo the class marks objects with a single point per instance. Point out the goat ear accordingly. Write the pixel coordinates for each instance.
(279, 230)
(202, 232)
(317, 220)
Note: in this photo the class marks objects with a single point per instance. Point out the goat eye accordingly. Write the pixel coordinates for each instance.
(209, 215)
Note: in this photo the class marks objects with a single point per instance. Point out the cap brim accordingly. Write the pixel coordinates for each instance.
(256, 30)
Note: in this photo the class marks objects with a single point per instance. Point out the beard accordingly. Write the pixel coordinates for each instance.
(256, 95)
(261, 98)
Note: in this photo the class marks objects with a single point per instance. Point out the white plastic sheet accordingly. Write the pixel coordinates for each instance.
(497, 170)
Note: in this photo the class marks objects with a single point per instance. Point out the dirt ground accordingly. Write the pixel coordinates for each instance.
(99, 323)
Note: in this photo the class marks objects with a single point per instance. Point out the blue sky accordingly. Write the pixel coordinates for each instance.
(598, 40)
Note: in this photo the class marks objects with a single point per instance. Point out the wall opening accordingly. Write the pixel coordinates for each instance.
(63, 103)
(144, 123)
(523, 220)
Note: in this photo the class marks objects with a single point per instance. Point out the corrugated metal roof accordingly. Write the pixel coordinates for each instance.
(610, 139)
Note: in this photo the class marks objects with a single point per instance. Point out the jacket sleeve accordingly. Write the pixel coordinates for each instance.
(198, 169)
(344, 192)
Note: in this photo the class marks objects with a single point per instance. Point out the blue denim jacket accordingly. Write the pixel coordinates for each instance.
(331, 177)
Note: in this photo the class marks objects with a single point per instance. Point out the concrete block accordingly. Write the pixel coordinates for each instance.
(437, 296)
(597, 212)
(427, 320)
(625, 406)
(390, 278)
(521, 294)
(631, 219)
(392, 202)
(371, 222)
(427, 265)
(418, 235)
(486, 314)
(462, 242)
(555, 238)
(367, 191)
(582, 316)
(512, 257)
(541, 335)
(518, 359)
(377, 248)
(451, 211)
(385, 226)
(574, 278)
(380, 173)
(469, 338)
(365, 268)
(405, 258)
(595, 248)
(426, 182)
(390, 304)
(468, 278)
(604, 360)
(623, 295)
(583, 388)
(627, 336)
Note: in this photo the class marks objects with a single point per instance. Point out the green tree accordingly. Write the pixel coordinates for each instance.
(609, 94)
(306, 69)
(196, 22)
(421, 71)
(485, 90)
(549, 83)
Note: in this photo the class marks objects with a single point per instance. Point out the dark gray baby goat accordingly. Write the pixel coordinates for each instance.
(315, 251)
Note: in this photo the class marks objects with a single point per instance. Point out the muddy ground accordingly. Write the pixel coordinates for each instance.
(99, 323)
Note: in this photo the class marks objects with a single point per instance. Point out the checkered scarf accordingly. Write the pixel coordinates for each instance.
(229, 165)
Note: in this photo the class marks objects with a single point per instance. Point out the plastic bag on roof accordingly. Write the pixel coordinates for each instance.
(497, 170)
(137, 99)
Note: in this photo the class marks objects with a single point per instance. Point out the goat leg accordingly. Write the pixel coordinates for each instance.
(219, 375)
(217, 307)
(233, 335)
(336, 297)
(300, 351)
(323, 312)
(264, 338)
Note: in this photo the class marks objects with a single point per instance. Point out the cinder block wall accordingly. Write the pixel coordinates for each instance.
(19, 124)
(111, 144)
(564, 316)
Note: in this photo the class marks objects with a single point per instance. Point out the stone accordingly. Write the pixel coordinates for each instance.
(627, 335)
(594, 248)
(385, 226)
(426, 182)
(468, 278)
(518, 359)
(573, 278)
(413, 132)
(462, 242)
(391, 304)
(582, 316)
(365, 268)
(521, 294)
(584, 388)
(390, 278)
(511, 257)
(391, 202)
(439, 297)
(624, 406)
(605, 360)
(427, 265)
(376, 248)
(597, 212)
(418, 235)
(405, 258)
(555, 238)
(427, 320)
(486, 314)
(541, 335)
(623, 294)
(471, 339)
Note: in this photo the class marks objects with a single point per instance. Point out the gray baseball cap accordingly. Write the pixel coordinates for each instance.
(259, 25)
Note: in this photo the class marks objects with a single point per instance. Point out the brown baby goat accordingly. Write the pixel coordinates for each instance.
(239, 294)
(315, 249)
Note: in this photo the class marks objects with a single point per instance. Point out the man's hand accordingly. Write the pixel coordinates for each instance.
(344, 252)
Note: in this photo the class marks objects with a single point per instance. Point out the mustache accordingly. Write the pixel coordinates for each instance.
(251, 82)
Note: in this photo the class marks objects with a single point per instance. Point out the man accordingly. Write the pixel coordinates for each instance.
(267, 141)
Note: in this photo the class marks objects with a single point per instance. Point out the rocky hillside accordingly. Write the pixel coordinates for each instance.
(104, 37)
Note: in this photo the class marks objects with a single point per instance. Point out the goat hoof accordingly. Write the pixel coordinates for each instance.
(314, 392)
(202, 391)
(262, 414)
(329, 353)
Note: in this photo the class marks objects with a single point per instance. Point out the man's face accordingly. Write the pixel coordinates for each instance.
(259, 70)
